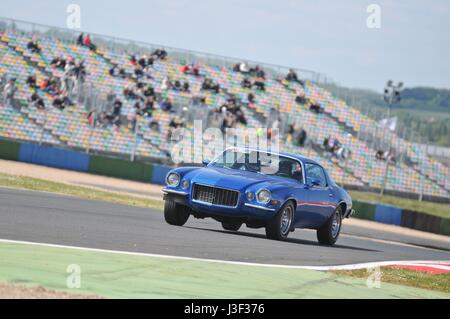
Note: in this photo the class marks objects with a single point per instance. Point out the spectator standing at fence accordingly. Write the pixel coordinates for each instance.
(80, 39)
(33, 45)
(292, 76)
(9, 92)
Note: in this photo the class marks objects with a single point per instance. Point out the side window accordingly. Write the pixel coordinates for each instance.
(315, 172)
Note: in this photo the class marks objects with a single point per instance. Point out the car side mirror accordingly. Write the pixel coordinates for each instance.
(315, 182)
(205, 162)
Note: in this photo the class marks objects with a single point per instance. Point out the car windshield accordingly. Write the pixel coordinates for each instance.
(260, 162)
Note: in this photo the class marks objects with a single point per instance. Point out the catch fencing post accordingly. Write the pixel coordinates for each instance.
(43, 128)
(136, 128)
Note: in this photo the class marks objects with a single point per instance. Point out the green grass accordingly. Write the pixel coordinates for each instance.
(436, 209)
(78, 191)
(115, 275)
(406, 277)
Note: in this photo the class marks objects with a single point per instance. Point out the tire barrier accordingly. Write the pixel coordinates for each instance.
(53, 157)
(9, 150)
(119, 168)
(392, 215)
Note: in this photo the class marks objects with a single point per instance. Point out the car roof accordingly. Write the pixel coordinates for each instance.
(291, 155)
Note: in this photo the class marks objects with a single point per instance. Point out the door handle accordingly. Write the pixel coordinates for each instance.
(331, 195)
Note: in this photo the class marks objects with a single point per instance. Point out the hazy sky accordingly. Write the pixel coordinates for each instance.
(332, 37)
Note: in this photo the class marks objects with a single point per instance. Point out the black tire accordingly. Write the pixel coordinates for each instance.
(275, 229)
(175, 214)
(327, 234)
(231, 226)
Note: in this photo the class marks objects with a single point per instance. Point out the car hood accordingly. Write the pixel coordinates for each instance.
(234, 179)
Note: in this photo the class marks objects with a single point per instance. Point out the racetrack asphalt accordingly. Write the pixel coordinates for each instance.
(64, 220)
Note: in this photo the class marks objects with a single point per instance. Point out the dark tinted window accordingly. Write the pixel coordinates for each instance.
(315, 172)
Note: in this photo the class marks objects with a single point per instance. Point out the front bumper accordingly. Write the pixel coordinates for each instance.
(243, 209)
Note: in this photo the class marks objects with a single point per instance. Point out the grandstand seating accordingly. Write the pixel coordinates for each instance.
(70, 128)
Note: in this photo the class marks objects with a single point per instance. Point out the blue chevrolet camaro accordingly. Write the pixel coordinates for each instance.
(280, 192)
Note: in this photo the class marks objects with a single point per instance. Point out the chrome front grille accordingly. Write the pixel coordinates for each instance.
(215, 195)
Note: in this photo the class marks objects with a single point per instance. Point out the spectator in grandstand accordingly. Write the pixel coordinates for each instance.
(331, 144)
(300, 98)
(122, 73)
(296, 135)
(386, 155)
(148, 91)
(114, 70)
(117, 107)
(143, 61)
(258, 72)
(241, 67)
(154, 125)
(33, 45)
(342, 152)
(133, 59)
(291, 76)
(50, 85)
(80, 39)
(129, 92)
(301, 137)
(58, 102)
(199, 101)
(246, 83)
(177, 85)
(166, 104)
(91, 118)
(115, 121)
(209, 84)
(138, 72)
(259, 83)
(166, 84)
(36, 101)
(174, 124)
(315, 107)
(80, 71)
(32, 81)
(190, 69)
(251, 100)
(160, 54)
(88, 43)
(58, 62)
(103, 119)
(149, 106)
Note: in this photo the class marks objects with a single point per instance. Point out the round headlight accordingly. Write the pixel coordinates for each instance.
(173, 179)
(263, 196)
(185, 184)
(250, 195)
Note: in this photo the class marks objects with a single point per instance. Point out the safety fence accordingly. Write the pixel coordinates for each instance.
(392, 215)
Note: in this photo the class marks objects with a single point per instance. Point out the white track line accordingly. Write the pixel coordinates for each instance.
(337, 267)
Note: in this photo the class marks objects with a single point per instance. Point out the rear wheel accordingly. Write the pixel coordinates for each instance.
(279, 226)
(329, 232)
(175, 214)
(232, 226)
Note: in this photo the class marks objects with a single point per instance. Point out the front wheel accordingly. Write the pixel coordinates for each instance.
(175, 214)
(329, 232)
(279, 226)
